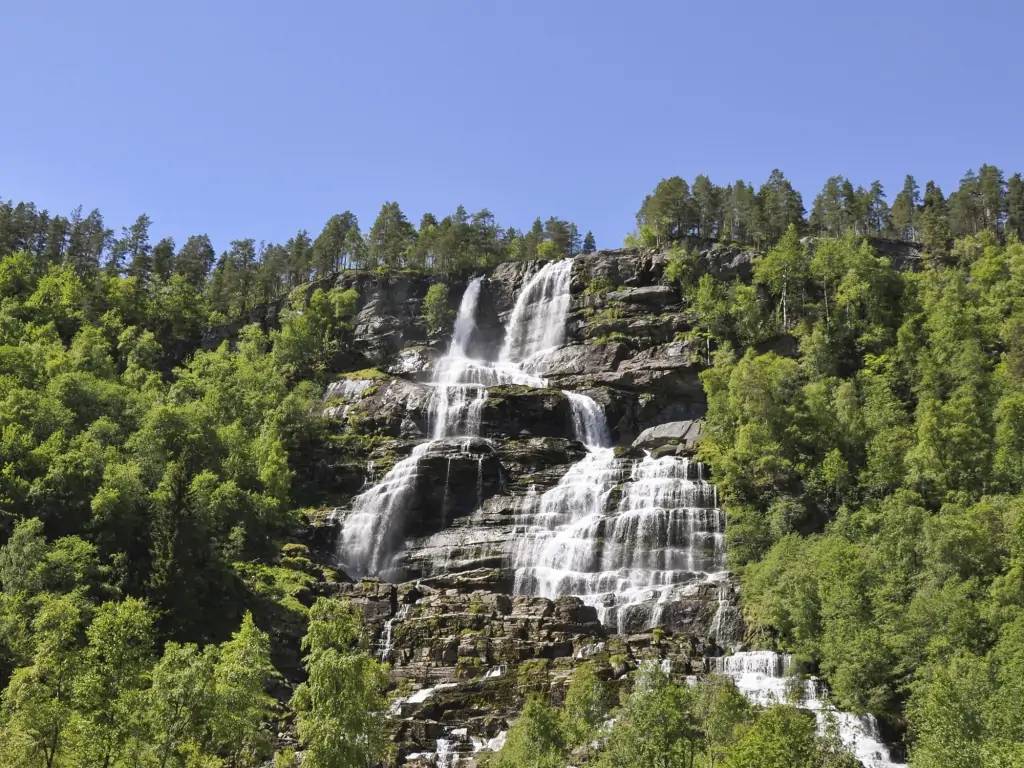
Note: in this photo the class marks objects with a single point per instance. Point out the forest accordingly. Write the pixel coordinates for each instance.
(865, 426)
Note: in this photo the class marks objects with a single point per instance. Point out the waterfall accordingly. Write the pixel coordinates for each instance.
(624, 535)
(387, 641)
(375, 527)
(766, 678)
(588, 421)
(626, 557)
(537, 322)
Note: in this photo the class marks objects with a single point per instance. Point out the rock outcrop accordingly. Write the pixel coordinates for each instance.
(672, 436)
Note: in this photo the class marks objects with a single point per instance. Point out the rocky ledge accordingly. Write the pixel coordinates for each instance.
(464, 655)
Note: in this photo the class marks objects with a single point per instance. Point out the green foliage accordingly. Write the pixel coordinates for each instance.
(679, 266)
(535, 739)
(92, 692)
(242, 670)
(658, 727)
(314, 332)
(781, 737)
(587, 703)
(871, 466)
(784, 270)
(111, 689)
(707, 724)
(872, 473)
(437, 314)
(339, 709)
(598, 286)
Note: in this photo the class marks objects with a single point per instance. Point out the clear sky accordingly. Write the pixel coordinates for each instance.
(255, 119)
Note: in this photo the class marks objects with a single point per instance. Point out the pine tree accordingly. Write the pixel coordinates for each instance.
(668, 211)
(905, 210)
(992, 195)
(133, 247)
(531, 241)
(707, 203)
(828, 214)
(589, 246)
(1015, 206)
(300, 257)
(194, 260)
(331, 247)
(86, 242)
(965, 210)
(390, 237)
(163, 259)
(875, 210)
(933, 221)
(740, 213)
(780, 206)
(563, 234)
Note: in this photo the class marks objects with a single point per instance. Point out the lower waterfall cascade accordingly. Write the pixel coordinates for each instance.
(766, 677)
(373, 530)
(623, 555)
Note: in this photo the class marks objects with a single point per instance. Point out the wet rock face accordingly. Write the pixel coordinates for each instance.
(455, 477)
(526, 411)
(726, 262)
(389, 314)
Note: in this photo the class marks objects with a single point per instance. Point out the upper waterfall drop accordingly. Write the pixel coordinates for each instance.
(537, 321)
(459, 382)
(465, 319)
(376, 525)
(588, 422)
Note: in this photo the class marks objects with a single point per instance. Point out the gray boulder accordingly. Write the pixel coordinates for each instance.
(581, 359)
(648, 295)
(682, 434)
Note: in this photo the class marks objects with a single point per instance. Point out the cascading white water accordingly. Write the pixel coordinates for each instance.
(537, 322)
(387, 640)
(627, 556)
(375, 527)
(621, 534)
(766, 678)
(588, 422)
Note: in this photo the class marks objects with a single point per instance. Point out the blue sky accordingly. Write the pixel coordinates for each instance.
(256, 119)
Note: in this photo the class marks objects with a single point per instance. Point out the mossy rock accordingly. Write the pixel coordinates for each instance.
(365, 374)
